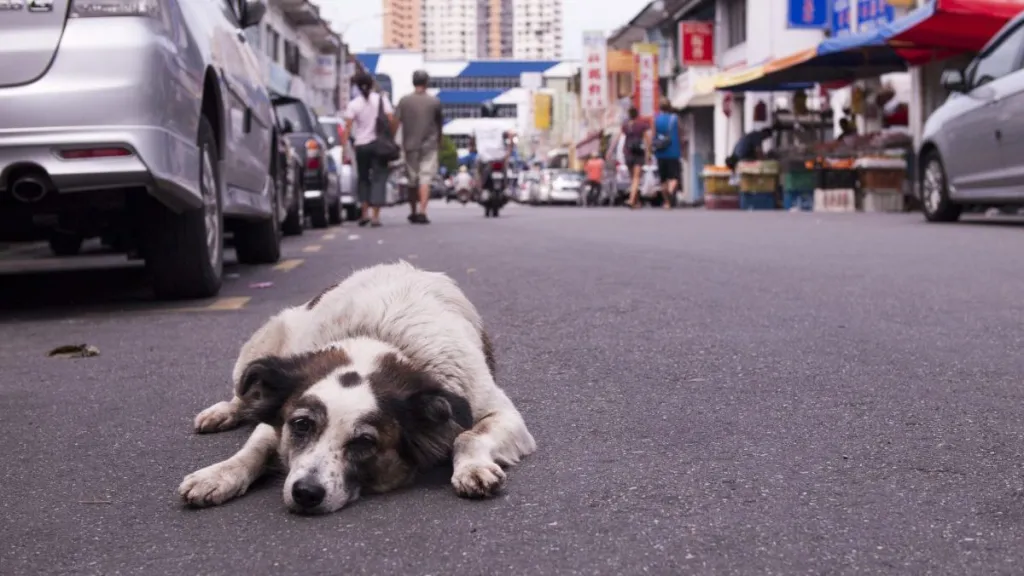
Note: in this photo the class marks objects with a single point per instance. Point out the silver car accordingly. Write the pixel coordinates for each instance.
(972, 147)
(143, 120)
(344, 157)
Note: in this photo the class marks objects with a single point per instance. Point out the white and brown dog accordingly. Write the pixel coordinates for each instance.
(383, 375)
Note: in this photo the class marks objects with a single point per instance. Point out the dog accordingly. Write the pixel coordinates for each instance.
(374, 380)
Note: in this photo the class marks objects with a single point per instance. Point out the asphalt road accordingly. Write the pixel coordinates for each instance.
(737, 393)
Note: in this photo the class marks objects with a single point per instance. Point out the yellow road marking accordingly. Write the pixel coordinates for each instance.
(328, 236)
(287, 265)
(313, 248)
(413, 256)
(221, 304)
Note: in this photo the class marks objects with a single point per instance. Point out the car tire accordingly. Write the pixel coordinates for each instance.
(259, 242)
(334, 215)
(185, 252)
(320, 218)
(935, 202)
(65, 243)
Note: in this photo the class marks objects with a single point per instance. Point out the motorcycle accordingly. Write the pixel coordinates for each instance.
(492, 193)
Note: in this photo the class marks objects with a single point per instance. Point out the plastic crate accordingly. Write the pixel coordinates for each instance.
(718, 184)
(758, 182)
(883, 201)
(834, 200)
(756, 201)
(837, 178)
(799, 180)
(798, 199)
(722, 202)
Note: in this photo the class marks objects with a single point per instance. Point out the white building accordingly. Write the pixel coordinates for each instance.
(450, 29)
(537, 29)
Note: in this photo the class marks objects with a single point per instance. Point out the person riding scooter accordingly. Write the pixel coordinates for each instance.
(463, 185)
(495, 147)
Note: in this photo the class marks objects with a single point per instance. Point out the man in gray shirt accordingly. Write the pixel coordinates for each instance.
(419, 115)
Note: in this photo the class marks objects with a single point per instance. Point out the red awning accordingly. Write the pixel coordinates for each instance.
(950, 26)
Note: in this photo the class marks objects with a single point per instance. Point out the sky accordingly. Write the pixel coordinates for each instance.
(359, 21)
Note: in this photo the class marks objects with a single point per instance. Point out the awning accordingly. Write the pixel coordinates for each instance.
(952, 25)
(755, 79)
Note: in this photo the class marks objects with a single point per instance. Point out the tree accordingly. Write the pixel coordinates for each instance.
(448, 155)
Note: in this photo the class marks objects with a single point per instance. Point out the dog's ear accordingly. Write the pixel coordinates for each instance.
(264, 387)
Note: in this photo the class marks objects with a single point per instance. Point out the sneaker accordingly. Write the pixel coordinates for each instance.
(422, 219)
(412, 218)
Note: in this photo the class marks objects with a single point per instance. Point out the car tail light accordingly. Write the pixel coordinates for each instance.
(82, 153)
(497, 165)
(346, 161)
(94, 8)
(312, 155)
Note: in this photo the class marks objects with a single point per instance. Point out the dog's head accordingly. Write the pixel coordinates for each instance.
(352, 417)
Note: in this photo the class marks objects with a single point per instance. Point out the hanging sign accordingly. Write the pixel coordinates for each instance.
(871, 14)
(812, 14)
(645, 89)
(696, 43)
(840, 25)
(594, 74)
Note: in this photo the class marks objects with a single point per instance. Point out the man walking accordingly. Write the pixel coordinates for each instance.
(419, 116)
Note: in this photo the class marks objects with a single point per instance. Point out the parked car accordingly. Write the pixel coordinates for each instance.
(290, 169)
(303, 130)
(558, 186)
(344, 157)
(972, 145)
(149, 124)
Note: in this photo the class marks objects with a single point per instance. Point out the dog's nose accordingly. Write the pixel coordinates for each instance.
(308, 493)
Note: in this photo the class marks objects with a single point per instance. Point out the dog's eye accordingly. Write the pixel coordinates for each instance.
(302, 425)
(362, 446)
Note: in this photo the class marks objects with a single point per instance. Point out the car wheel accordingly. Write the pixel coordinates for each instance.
(185, 252)
(935, 202)
(260, 242)
(334, 213)
(320, 217)
(65, 243)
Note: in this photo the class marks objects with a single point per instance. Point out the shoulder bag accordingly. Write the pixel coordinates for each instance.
(384, 146)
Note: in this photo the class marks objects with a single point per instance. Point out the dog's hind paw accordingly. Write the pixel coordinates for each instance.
(213, 485)
(217, 418)
(481, 479)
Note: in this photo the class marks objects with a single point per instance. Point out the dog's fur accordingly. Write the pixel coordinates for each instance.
(378, 377)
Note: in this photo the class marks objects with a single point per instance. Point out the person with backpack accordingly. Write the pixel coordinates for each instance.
(636, 133)
(369, 120)
(667, 149)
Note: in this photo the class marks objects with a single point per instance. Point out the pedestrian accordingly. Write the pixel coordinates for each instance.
(419, 115)
(636, 137)
(594, 169)
(667, 149)
(749, 147)
(361, 122)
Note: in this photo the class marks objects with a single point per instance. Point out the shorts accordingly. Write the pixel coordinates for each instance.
(420, 166)
(633, 160)
(669, 169)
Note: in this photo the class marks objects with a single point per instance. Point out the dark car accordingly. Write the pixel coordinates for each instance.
(300, 126)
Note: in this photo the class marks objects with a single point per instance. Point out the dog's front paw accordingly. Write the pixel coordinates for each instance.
(217, 418)
(480, 479)
(213, 485)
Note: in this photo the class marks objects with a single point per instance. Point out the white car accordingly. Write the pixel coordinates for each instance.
(344, 158)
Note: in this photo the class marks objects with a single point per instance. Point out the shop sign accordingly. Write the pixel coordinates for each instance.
(696, 43)
(871, 14)
(811, 14)
(840, 25)
(542, 108)
(594, 74)
(645, 83)
(325, 74)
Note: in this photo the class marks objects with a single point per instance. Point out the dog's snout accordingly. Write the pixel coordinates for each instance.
(308, 493)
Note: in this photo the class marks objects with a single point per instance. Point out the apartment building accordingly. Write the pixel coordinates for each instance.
(537, 29)
(403, 24)
(451, 29)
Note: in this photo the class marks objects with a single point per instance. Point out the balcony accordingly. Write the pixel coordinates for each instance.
(693, 88)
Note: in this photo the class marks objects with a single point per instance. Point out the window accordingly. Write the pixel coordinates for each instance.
(735, 22)
(997, 61)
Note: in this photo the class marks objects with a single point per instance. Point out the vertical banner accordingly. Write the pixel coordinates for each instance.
(696, 43)
(645, 80)
(871, 14)
(840, 25)
(807, 14)
(542, 104)
(594, 75)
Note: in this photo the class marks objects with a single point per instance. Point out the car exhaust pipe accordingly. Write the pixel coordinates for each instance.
(29, 189)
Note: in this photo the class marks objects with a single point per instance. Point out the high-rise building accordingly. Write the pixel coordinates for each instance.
(403, 24)
(537, 29)
(450, 29)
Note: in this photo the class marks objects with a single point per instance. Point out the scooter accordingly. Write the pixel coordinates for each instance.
(492, 193)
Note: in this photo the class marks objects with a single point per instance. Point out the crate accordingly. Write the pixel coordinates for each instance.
(722, 202)
(835, 200)
(799, 180)
(798, 199)
(837, 178)
(883, 201)
(883, 178)
(757, 201)
(715, 184)
(758, 182)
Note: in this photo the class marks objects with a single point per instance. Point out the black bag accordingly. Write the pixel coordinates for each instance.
(384, 146)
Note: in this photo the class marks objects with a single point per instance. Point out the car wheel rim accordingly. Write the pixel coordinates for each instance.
(933, 181)
(210, 215)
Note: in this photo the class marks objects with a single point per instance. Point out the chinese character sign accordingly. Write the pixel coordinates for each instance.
(873, 13)
(645, 89)
(808, 14)
(841, 18)
(594, 73)
(696, 43)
